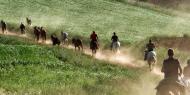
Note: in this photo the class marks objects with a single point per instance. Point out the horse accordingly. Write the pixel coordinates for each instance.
(3, 26)
(185, 81)
(64, 38)
(55, 40)
(43, 34)
(22, 28)
(151, 59)
(93, 47)
(170, 86)
(28, 21)
(37, 33)
(115, 46)
(77, 43)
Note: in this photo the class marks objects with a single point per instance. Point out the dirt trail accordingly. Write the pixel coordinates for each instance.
(119, 58)
(123, 57)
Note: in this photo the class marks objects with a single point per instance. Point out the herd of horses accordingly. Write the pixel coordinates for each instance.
(41, 33)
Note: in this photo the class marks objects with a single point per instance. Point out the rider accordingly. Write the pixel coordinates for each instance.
(171, 69)
(171, 66)
(114, 39)
(64, 35)
(94, 38)
(150, 47)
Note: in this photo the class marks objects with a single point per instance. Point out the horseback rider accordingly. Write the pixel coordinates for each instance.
(64, 36)
(22, 28)
(29, 21)
(171, 66)
(149, 47)
(114, 39)
(94, 36)
(171, 69)
(3, 26)
(94, 39)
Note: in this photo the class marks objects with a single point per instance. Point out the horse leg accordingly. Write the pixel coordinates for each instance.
(95, 51)
(82, 47)
(75, 48)
(3, 30)
(92, 52)
(150, 65)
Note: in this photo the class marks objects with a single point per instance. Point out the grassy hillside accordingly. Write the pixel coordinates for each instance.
(29, 68)
(80, 17)
(26, 67)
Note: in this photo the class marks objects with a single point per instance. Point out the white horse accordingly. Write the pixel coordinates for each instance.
(116, 46)
(170, 86)
(151, 59)
(185, 81)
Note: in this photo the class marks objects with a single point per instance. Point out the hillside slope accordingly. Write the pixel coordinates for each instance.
(26, 67)
(80, 17)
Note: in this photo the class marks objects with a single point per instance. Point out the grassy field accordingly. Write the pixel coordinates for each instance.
(132, 23)
(27, 67)
(34, 69)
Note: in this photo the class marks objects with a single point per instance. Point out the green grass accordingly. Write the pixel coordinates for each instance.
(12, 40)
(132, 23)
(53, 70)
(26, 67)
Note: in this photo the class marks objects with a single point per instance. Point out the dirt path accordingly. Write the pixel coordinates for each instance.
(121, 58)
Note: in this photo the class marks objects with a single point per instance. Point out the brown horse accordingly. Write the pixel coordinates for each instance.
(55, 40)
(3, 26)
(77, 43)
(22, 28)
(43, 34)
(36, 33)
(94, 46)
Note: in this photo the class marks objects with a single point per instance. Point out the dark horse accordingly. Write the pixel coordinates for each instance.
(37, 33)
(3, 26)
(43, 34)
(94, 47)
(77, 43)
(55, 40)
